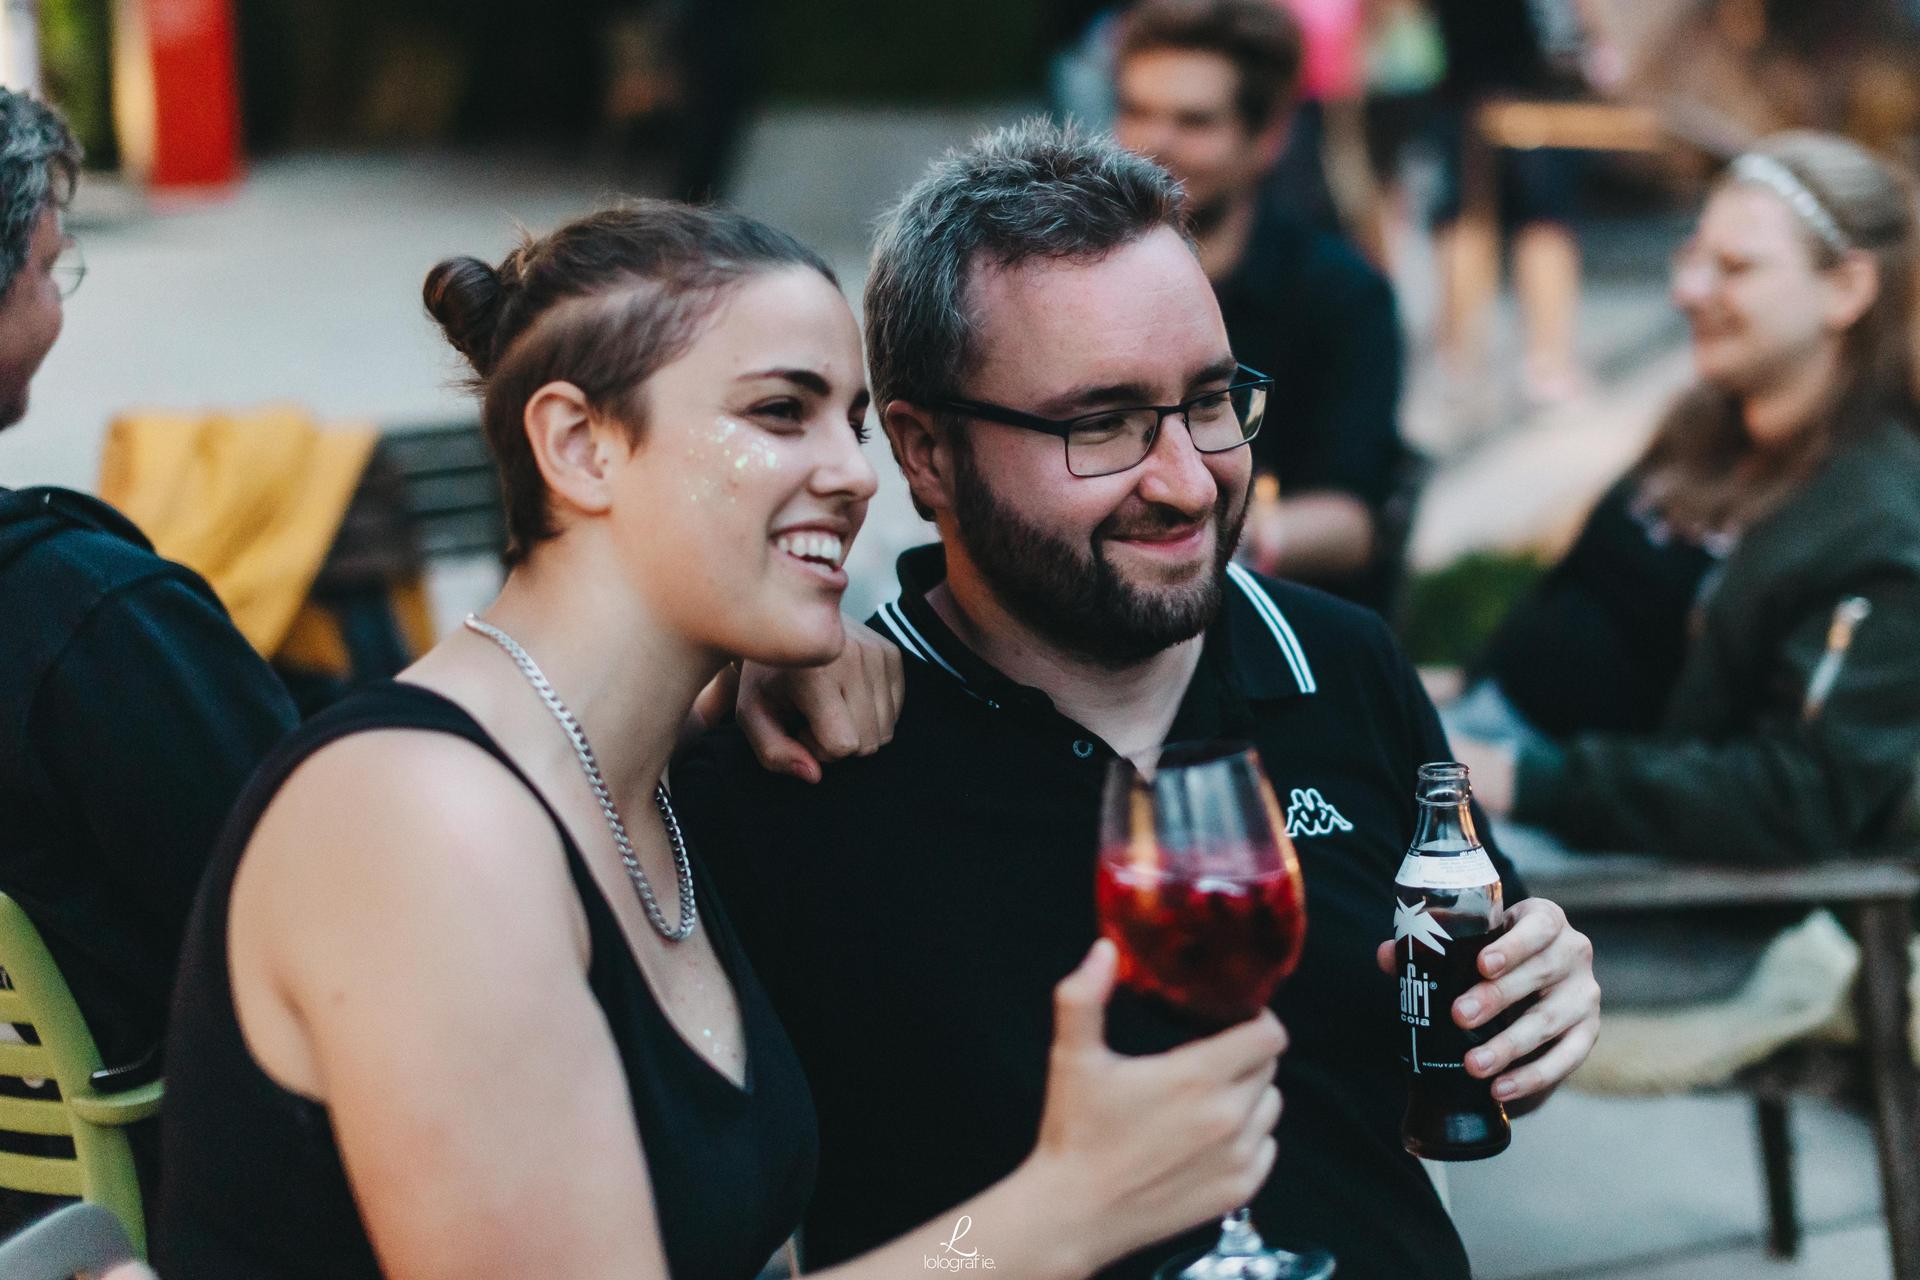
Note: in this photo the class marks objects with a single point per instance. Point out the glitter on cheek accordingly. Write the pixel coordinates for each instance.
(713, 457)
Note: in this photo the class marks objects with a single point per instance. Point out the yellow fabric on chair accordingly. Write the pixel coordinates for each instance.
(250, 501)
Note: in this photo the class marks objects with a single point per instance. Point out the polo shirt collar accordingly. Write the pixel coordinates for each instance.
(1252, 642)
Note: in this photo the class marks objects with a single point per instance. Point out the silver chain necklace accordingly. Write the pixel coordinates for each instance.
(689, 912)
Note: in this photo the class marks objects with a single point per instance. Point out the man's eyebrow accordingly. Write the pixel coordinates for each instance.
(1221, 370)
(1125, 394)
(1094, 395)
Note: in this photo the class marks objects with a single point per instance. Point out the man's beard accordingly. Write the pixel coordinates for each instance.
(1073, 595)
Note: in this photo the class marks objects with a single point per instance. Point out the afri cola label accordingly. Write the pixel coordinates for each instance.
(1438, 953)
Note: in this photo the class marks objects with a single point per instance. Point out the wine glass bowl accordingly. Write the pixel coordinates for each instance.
(1198, 885)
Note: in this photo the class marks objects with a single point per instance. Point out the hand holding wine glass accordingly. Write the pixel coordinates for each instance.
(1143, 1147)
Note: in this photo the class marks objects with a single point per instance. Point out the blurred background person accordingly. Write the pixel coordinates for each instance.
(1405, 62)
(131, 710)
(1208, 89)
(1515, 49)
(1723, 668)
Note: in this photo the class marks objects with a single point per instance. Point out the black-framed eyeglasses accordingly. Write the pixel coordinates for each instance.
(70, 268)
(1115, 440)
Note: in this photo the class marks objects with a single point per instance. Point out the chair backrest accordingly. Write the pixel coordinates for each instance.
(55, 1047)
(430, 495)
(450, 488)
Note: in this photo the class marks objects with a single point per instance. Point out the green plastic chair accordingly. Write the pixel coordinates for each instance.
(100, 1170)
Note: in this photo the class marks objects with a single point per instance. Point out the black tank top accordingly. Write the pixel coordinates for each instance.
(253, 1185)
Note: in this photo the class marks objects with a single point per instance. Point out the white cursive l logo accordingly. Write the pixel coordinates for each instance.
(961, 1228)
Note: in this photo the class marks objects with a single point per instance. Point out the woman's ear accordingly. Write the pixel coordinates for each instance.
(924, 453)
(1853, 285)
(571, 448)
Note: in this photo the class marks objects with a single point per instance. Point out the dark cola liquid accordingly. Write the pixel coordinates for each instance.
(1450, 1115)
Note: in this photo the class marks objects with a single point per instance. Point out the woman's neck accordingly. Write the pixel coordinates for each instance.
(1780, 411)
(628, 679)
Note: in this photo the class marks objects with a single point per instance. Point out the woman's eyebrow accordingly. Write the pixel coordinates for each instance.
(806, 378)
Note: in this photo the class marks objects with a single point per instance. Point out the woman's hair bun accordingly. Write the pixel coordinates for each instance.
(464, 296)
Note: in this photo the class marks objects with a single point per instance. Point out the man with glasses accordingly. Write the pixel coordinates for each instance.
(131, 710)
(1058, 389)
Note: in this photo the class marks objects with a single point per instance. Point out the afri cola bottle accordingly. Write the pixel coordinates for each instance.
(1446, 910)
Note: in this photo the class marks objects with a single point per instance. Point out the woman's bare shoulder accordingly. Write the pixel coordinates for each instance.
(405, 819)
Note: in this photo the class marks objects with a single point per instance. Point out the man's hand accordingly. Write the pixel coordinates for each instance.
(1542, 956)
(798, 719)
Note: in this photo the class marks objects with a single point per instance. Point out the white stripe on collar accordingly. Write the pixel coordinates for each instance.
(1276, 623)
(912, 641)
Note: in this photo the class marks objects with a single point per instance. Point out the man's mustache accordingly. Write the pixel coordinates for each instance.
(1156, 522)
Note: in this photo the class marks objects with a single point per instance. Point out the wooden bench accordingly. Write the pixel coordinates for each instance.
(1875, 895)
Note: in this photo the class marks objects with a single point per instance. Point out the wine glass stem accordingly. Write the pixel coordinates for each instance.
(1237, 1234)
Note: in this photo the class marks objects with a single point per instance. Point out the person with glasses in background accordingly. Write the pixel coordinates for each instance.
(1722, 667)
(1060, 392)
(131, 710)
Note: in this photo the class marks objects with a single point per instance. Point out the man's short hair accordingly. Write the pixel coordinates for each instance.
(1031, 190)
(39, 164)
(1259, 37)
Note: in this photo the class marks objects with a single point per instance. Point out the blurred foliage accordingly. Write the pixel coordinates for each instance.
(882, 50)
(1453, 612)
(76, 65)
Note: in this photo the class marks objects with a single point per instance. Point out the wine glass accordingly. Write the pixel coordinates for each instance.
(1199, 889)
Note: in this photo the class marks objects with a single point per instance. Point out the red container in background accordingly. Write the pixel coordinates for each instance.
(177, 91)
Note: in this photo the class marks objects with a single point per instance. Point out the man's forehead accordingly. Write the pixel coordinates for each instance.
(1184, 79)
(1147, 301)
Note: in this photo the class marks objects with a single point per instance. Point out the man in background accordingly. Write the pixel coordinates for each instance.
(131, 710)
(1208, 88)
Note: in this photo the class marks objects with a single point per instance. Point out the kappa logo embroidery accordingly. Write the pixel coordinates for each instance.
(1309, 814)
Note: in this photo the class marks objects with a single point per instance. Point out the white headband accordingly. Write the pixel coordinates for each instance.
(1783, 182)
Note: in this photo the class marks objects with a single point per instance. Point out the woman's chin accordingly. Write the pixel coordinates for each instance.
(794, 648)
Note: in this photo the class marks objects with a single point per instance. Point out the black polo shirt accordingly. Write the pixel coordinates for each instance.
(1305, 308)
(911, 913)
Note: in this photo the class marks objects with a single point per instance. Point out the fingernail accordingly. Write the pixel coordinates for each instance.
(1481, 1058)
(1467, 1006)
(1505, 1089)
(1495, 962)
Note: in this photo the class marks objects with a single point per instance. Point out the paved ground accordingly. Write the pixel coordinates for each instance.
(304, 286)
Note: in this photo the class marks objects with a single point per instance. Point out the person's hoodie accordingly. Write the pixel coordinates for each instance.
(131, 714)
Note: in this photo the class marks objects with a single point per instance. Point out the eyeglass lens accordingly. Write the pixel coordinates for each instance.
(1117, 441)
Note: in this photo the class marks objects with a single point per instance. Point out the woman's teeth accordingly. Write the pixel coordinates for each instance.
(824, 548)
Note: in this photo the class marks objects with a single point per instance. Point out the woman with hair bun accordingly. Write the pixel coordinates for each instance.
(458, 999)
(1726, 665)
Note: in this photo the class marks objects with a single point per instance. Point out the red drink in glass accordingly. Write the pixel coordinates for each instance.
(1213, 947)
